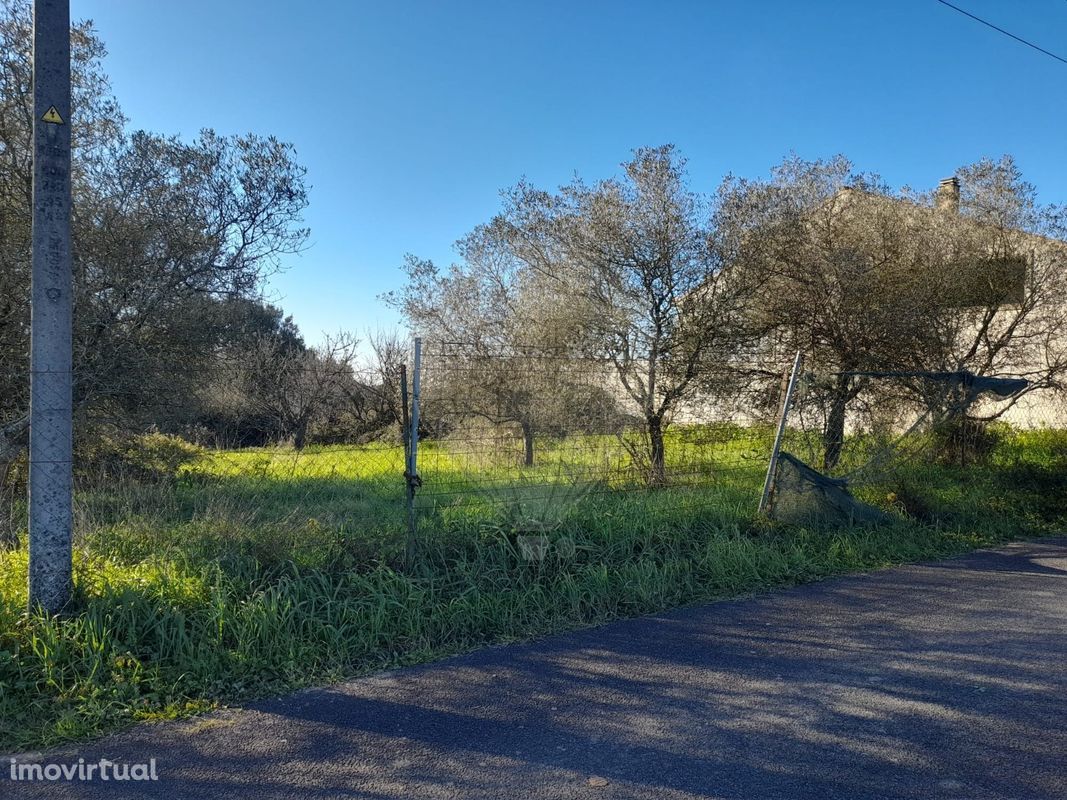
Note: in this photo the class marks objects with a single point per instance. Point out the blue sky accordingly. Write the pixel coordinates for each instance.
(411, 116)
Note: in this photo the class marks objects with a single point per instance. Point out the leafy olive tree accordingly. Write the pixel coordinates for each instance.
(648, 291)
(165, 231)
(864, 279)
(493, 352)
(848, 270)
(1003, 282)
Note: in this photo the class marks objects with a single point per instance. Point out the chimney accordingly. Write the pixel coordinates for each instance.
(948, 195)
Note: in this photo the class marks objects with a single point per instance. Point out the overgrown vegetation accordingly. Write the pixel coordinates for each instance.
(615, 311)
(245, 577)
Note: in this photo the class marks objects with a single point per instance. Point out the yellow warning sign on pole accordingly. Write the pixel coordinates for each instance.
(51, 115)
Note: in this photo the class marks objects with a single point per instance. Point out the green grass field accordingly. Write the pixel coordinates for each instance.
(256, 572)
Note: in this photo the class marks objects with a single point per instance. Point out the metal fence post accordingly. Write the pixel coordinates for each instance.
(412, 471)
(405, 418)
(783, 416)
(51, 434)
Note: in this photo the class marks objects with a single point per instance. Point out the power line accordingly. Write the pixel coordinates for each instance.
(1001, 30)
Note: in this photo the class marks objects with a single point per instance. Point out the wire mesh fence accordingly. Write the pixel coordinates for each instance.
(531, 440)
(312, 455)
(528, 442)
(894, 438)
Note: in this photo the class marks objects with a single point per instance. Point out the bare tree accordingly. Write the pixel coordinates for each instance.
(384, 374)
(371, 403)
(295, 386)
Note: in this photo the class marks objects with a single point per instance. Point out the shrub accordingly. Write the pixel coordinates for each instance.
(148, 457)
(964, 440)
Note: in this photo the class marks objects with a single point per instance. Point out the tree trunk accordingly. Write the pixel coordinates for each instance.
(300, 435)
(834, 435)
(657, 472)
(528, 442)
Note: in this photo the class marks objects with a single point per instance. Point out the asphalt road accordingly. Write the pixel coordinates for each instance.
(944, 680)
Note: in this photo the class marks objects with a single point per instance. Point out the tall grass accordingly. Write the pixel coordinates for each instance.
(247, 577)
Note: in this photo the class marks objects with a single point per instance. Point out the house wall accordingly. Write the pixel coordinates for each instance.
(1039, 409)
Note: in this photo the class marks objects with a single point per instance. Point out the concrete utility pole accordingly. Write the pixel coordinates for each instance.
(51, 435)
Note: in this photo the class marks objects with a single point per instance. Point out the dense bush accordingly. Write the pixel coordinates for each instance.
(963, 440)
(147, 457)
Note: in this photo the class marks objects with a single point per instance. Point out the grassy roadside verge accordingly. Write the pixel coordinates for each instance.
(172, 619)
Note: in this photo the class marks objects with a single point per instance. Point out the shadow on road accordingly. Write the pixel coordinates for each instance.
(942, 680)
